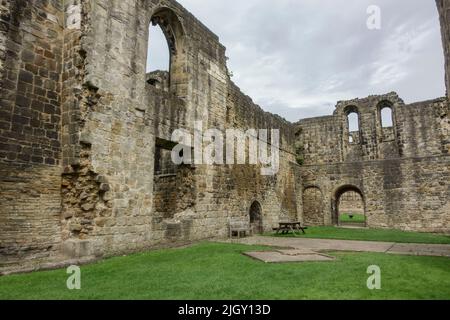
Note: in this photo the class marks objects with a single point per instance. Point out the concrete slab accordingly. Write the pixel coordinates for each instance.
(296, 252)
(321, 245)
(284, 256)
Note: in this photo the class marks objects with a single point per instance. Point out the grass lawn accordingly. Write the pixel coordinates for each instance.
(220, 271)
(371, 235)
(357, 218)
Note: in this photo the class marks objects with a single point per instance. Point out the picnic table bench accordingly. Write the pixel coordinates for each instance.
(286, 227)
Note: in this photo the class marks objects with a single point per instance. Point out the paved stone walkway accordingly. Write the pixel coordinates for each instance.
(320, 245)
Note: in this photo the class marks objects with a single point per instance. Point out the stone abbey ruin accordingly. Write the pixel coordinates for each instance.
(85, 133)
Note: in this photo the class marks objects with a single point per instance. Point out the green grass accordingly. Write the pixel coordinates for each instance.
(371, 235)
(220, 271)
(357, 218)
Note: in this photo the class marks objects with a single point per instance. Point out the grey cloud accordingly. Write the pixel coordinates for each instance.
(297, 58)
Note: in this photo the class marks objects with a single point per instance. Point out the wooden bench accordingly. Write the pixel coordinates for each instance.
(239, 227)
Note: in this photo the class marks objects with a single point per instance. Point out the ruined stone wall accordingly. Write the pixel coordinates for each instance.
(73, 89)
(112, 200)
(320, 140)
(403, 177)
(30, 213)
(108, 183)
(31, 40)
(277, 194)
(397, 194)
(419, 130)
(313, 206)
(423, 129)
(30, 74)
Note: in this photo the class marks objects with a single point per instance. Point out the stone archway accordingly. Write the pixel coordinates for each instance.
(349, 200)
(256, 218)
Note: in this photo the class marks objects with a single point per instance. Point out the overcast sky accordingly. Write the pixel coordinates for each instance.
(297, 58)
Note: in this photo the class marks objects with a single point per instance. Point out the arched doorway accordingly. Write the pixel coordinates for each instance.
(313, 207)
(349, 207)
(256, 221)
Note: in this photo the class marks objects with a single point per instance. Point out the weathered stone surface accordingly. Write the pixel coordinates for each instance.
(403, 181)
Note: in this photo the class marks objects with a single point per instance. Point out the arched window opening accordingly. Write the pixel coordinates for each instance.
(353, 127)
(158, 59)
(386, 118)
(353, 122)
(386, 115)
(165, 56)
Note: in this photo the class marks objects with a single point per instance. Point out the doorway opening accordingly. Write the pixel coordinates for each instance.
(256, 221)
(350, 207)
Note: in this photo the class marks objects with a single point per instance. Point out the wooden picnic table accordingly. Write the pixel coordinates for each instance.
(286, 227)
